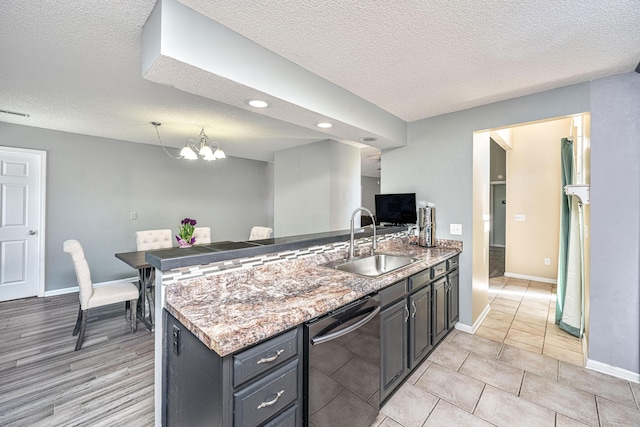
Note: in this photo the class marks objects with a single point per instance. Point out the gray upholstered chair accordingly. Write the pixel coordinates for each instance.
(148, 240)
(259, 233)
(202, 235)
(91, 297)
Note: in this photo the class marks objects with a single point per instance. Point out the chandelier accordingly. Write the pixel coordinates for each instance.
(194, 148)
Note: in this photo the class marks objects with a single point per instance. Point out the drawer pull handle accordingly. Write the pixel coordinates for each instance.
(270, 359)
(271, 402)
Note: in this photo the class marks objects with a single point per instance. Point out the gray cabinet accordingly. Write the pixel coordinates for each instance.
(440, 326)
(416, 315)
(393, 347)
(406, 332)
(420, 342)
(453, 301)
(260, 386)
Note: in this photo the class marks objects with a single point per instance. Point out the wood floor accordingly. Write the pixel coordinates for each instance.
(44, 382)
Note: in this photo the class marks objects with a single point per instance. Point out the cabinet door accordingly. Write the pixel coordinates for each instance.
(419, 326)
(439, 309)
(452, 298)
(393, 347)
(193, 384)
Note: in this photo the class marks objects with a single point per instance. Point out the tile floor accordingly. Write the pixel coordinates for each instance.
(519, 369)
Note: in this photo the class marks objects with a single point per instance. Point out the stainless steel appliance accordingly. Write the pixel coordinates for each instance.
(342, 366)
(427, 227)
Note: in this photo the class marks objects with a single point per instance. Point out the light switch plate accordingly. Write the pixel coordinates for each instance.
(455, 229)
(519, 217)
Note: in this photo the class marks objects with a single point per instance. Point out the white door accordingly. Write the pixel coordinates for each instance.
(21, 223)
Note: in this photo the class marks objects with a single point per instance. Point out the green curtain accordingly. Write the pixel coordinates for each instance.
(569, 298)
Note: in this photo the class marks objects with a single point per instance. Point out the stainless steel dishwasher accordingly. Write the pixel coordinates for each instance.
(342, 366)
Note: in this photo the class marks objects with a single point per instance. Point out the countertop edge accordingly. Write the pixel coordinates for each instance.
(172, 258)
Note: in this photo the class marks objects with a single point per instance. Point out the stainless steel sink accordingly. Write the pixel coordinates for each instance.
(373, 265)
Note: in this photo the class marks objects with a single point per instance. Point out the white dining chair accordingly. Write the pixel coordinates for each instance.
(91, 297)
(259, 233)
(148, 240)
(202, 235)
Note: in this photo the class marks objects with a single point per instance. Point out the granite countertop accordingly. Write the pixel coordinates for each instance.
(234, 310)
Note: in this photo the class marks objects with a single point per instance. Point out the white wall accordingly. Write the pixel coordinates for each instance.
(534, 190)
(316, 187)
(94, 183)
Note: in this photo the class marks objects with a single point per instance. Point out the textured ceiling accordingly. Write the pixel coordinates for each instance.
(76, 67)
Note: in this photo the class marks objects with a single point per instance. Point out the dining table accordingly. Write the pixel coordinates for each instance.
(146, 276)
(146, 273)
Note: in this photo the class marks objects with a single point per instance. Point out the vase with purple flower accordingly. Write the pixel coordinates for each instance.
(185, 233)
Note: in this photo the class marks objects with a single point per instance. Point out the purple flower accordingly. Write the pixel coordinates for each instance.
(192, 221)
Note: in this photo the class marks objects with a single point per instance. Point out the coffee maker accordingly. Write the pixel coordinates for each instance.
(427, 226)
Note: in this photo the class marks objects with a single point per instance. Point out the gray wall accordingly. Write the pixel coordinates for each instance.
(437, 165)
(316, 187)
(437, 162)
(370, 187)
(94, 183)
(615, 224)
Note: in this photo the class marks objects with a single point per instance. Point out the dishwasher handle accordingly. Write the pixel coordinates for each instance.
(319, 339)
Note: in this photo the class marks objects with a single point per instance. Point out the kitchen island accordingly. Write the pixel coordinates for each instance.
(238, 303)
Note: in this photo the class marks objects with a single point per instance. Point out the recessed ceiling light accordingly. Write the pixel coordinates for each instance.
(368, 139)
(324, 125)
(257, 103)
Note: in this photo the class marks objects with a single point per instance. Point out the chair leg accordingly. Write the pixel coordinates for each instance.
(83, 326)
(132, 315)
(151, 301)
(76, 328)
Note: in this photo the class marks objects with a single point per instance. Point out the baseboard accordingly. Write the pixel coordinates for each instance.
(534, 278)
(472, 329)
(613, 371)
(75, 289)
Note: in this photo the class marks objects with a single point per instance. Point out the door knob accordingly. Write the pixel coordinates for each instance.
(32, 232)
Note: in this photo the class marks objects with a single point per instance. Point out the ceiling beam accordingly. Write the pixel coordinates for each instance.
(193, 53)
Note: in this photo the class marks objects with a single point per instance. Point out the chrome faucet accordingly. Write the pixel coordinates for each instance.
(351, 234)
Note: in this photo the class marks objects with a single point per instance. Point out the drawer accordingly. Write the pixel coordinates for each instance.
(262, 357)
(452, 263)
(393, 293)
(419, 280)
(286, 419)
(266, 397)
(439, 269)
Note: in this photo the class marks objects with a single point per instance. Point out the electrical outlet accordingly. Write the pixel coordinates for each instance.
(133, 215)
(455, 229)
(519, 217)
(547, 261)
